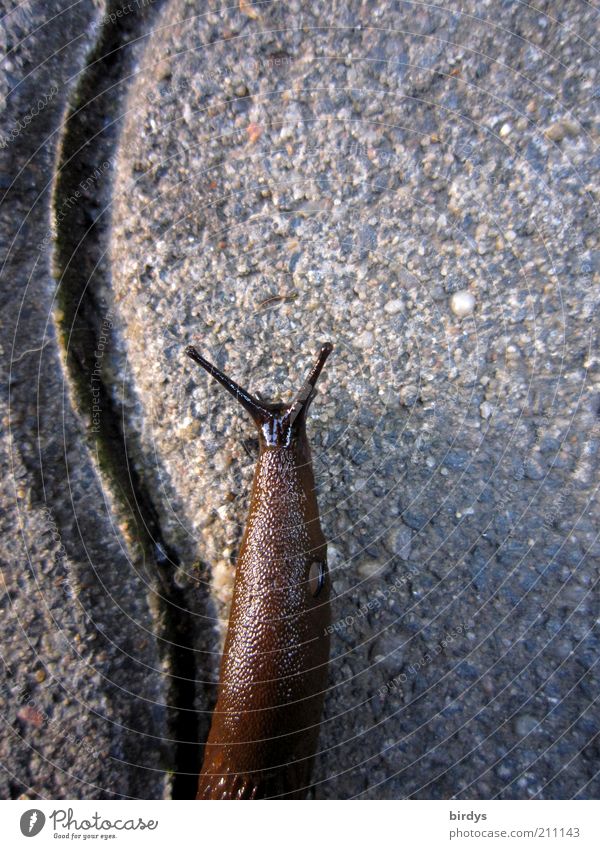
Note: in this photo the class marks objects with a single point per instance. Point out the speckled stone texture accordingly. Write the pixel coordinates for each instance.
(418, 185)
(82, 697)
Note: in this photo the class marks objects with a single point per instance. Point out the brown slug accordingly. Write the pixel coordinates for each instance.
(265, 725)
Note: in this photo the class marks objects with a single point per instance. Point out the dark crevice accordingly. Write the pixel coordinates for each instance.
(82, 188)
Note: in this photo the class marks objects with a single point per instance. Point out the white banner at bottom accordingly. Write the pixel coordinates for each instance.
(285, 824)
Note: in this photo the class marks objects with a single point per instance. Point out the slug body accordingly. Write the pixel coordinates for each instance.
(273, 675)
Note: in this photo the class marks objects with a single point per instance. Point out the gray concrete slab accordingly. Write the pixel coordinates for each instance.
(416, 184)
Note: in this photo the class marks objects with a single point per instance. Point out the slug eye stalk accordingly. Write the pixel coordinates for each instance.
(277, 422)
(256, 409)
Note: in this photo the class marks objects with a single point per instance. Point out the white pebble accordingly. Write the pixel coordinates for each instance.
(393, 307)
(223, 511)
(462, 303)
(367, 570)
(486, 410)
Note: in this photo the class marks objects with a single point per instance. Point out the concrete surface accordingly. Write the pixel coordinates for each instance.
(416, 184)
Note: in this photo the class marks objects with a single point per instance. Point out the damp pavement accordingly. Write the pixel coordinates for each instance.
(417, 185)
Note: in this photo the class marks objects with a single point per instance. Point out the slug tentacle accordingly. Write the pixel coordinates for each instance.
(301, 402)
(255, 407)
(265, 725)
(276, 422)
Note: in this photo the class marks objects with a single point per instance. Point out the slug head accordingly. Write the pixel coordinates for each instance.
(279, 425)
